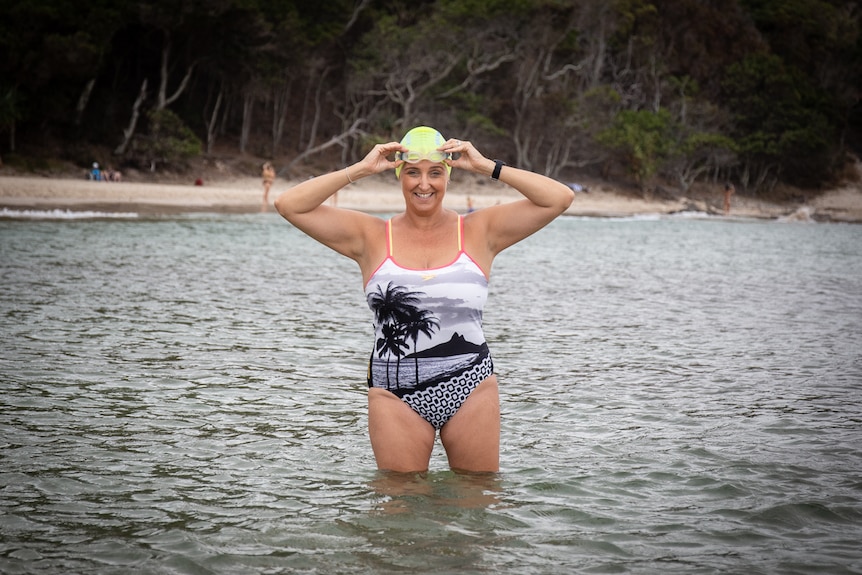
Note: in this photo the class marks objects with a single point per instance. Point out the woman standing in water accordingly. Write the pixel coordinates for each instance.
(267, 173)
(425, 273)
(729, 190)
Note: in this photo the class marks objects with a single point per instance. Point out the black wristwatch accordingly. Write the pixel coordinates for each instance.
(498, 165)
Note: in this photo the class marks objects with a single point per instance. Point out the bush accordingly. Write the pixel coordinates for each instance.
(640, 140)
(169, 141)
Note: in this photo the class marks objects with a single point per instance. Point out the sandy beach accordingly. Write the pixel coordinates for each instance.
(381, 194)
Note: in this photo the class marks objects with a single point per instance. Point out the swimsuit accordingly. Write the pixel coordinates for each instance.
(429, 347)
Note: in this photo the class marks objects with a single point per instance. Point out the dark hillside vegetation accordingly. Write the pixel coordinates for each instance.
(764, 93)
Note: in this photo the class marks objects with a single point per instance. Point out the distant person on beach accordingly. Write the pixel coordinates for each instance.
(425, 273)
(96, 173)
(729, 190)
(112, 175)
(268, 175)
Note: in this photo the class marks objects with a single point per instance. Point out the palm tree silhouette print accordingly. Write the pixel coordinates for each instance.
(420, 321)
(397, 310)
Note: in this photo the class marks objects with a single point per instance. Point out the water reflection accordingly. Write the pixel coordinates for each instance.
(440, 522)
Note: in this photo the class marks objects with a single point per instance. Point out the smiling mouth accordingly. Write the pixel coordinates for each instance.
(424, 196)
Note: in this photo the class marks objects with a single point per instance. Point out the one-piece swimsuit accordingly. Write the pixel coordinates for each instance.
(429, 347)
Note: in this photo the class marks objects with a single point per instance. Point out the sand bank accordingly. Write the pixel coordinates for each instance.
(380, 194)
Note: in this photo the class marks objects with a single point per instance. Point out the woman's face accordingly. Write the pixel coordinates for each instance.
(424, 184)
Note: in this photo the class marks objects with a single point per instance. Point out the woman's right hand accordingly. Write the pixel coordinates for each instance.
(377, 160)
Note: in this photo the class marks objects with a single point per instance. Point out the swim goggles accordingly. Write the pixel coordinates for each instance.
(416, 157)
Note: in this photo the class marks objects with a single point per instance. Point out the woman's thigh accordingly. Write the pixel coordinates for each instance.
(472, 436)
(400, 438)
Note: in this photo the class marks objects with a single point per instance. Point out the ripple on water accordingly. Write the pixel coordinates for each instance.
(186, 395)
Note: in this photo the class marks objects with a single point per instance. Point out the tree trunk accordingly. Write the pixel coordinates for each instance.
(133, 121)
(213, 122)
(280, 100)
(247, 107)
(316, 122)
(82, 101)
(303, 117)
(163, 99)
(599, 46)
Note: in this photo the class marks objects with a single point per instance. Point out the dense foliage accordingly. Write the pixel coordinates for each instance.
(758, 91)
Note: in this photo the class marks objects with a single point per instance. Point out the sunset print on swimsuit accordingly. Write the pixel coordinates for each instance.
(428, 333)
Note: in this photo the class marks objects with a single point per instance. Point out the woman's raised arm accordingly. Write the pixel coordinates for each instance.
(345, 231)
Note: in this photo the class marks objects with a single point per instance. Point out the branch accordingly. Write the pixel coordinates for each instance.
(351, 132)
(563, 70)
(182, 85)
(490, 66)
(163, 100)
(355, 16)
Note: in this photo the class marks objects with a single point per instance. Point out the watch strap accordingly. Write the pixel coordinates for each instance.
(498, 165)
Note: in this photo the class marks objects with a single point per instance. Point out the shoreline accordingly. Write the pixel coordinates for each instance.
(381, 194)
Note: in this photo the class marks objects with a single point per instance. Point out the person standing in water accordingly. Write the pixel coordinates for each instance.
(268, 175)
(729, 190)
(426, 273)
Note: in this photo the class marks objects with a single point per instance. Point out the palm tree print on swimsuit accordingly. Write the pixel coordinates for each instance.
(402, 322)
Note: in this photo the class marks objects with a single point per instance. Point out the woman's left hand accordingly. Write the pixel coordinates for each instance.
(468, 157)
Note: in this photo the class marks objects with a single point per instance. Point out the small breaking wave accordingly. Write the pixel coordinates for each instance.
(62, 214)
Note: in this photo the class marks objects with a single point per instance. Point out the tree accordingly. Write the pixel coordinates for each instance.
(814, 70)
(169, 140)
(10, 112)
(699, 143)
(403, 65)
(779, 123)
(52, 53)
(534, 80)
(539, 99)
(693, 155)
(641, 140)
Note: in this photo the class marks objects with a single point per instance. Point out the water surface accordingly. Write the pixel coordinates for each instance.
(186, 395)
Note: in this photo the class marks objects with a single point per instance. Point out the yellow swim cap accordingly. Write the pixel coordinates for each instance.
(422, 143)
